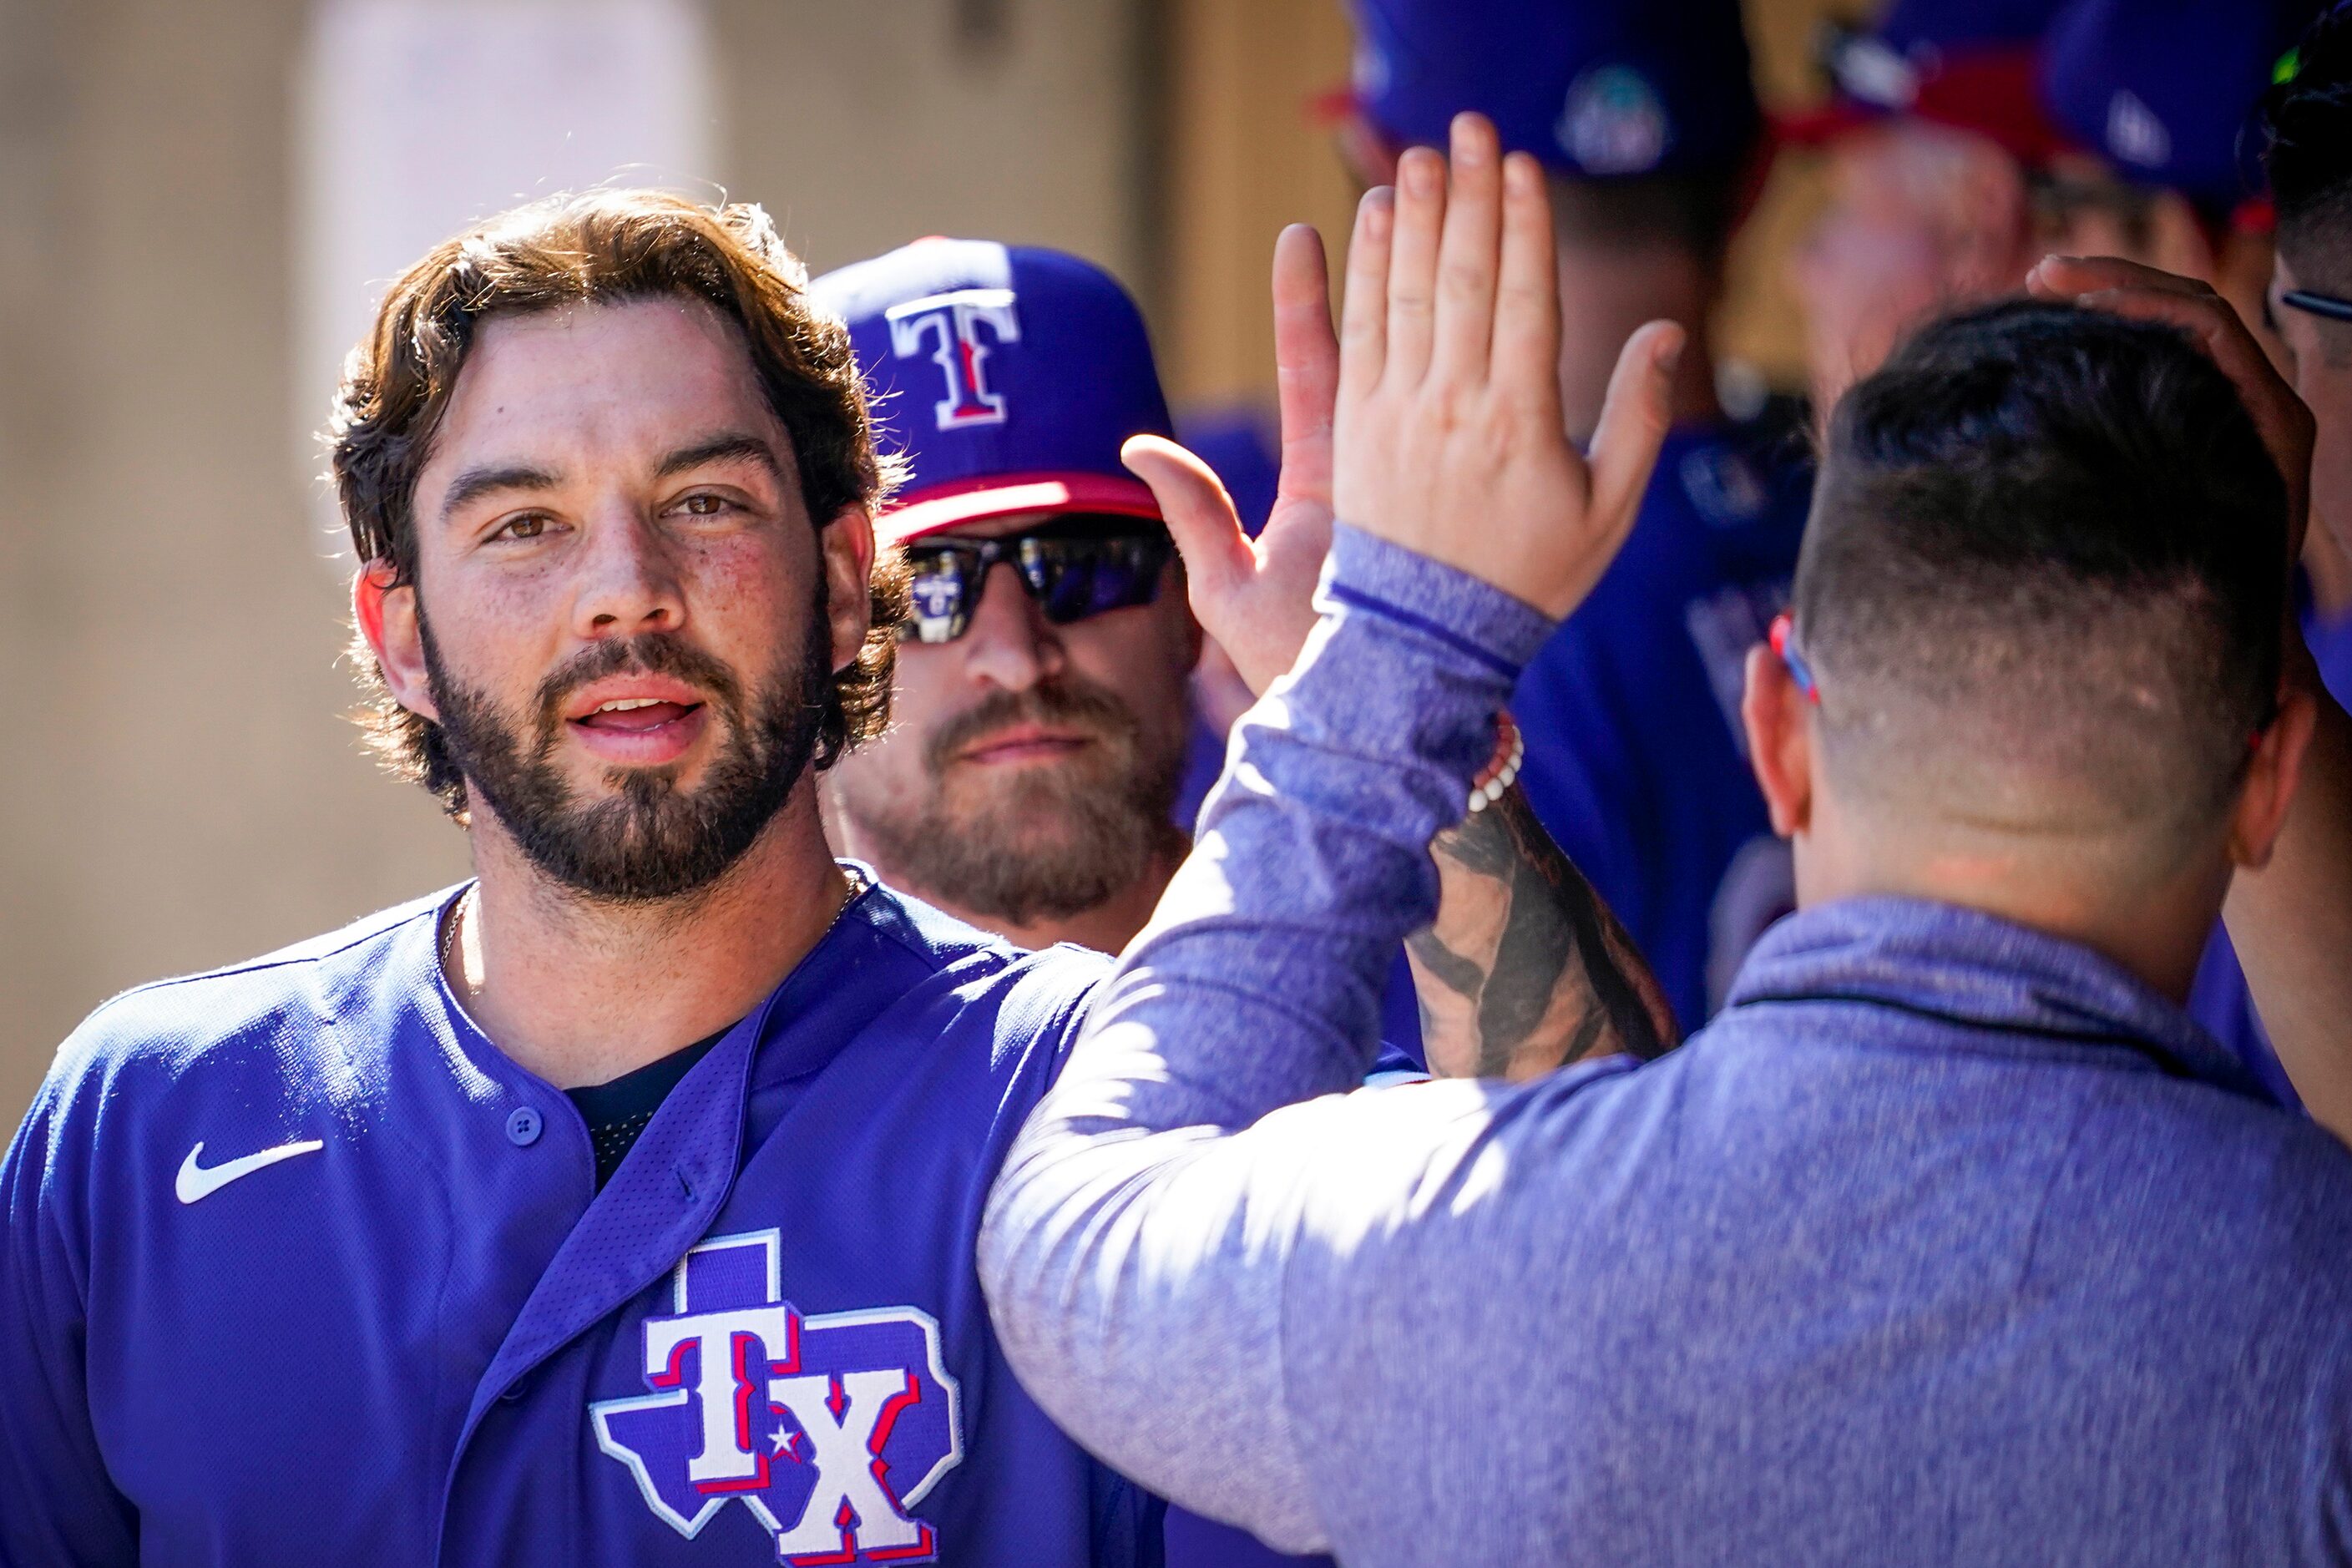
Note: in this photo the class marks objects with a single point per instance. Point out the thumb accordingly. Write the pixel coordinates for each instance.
(1199, 515)
(1634, 419)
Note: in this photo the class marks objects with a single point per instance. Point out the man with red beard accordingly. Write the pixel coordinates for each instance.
(1030, 780)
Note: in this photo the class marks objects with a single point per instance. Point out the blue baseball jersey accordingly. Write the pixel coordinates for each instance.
(298, 1267)
(2220, 999)
(1635, 761)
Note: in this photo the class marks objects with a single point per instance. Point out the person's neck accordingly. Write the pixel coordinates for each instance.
(2157, 929)
(1106, 927)
(580, 991)
(1608, 291)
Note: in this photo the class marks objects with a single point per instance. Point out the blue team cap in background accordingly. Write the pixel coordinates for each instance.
(1596, 90)
(1966, 63)
(1008, 376)
(2166, 90)
(1243, 445)
(1919, 27)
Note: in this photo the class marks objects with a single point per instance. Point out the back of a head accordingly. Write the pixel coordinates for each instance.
(2042, 590)
(2308, 116)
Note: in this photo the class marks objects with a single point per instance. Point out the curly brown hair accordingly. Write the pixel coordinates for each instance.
(603, 247)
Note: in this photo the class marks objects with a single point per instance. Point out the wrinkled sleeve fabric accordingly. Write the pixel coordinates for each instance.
(1140, 1240)
(58, 1503)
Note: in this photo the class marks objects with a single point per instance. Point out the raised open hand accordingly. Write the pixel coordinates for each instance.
(1257, 599)
(1448, 437)
(2127, 289)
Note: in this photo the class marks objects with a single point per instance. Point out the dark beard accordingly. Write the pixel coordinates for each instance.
(1058, 841)
(652, 841)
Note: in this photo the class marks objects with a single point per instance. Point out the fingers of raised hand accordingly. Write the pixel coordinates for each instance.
(1469, 259)
(1363, 310)
(1218, 560)
(2127, 289)
(1413, 264)
(2070, 277)
(1526, 355)
(1635, 417)
(1306, 362)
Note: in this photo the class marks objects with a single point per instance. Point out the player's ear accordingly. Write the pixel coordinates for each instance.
(1779, 741)
(2271, 774)
(385, 611)
(846, 555)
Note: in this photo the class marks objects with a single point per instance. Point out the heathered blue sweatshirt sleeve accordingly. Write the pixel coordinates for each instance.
(1138, 1239)
(54, 1504)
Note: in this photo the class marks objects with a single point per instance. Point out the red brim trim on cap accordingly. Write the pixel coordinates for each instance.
(1331, 106)
(1994, 93)
(1822, 127)
(1009, 495)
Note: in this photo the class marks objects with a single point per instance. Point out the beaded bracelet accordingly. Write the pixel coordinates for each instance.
(1511, 751)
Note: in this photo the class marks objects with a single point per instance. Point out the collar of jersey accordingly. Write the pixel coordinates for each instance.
(1944, 977)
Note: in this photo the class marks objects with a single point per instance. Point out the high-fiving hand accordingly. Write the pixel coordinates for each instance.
(1257, 600)
(1448, 437)
(1436, 425)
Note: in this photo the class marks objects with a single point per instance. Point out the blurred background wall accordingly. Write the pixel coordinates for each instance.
(195, 193)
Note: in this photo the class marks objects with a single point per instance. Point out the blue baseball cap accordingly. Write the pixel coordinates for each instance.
(1918, 28)
(1008, 377)
(1966, 63)
(2166, 90)
(1597, 90)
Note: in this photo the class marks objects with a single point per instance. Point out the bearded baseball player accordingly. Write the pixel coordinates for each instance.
(619, 1204)
(1040, 714)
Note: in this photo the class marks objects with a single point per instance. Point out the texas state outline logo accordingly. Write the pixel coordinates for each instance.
(830, 1429)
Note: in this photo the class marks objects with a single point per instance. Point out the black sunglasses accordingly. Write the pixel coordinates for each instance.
(1076, 567)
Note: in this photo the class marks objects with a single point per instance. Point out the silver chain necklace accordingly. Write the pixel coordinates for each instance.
(467, 900)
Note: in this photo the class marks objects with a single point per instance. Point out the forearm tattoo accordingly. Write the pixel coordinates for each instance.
(1526, 969)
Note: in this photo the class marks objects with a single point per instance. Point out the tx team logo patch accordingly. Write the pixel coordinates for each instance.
(829, 1429)
(951, 323)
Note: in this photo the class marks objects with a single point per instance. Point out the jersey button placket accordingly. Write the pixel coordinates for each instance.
(524, 1125)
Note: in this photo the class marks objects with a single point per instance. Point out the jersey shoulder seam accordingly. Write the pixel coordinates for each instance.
(371, 929)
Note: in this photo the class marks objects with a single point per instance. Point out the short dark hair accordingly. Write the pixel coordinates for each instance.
(2048, 537)
(2307, 121)
(604, 247)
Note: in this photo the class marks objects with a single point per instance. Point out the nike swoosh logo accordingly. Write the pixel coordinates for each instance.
(196, 1182)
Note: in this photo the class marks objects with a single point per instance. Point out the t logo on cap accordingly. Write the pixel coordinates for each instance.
(960, 355)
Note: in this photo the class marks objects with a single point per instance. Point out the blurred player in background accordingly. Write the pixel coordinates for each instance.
(1933, 133)
(2162, 165)
(1645, 119)
(2309, 120)
(2307, 124)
